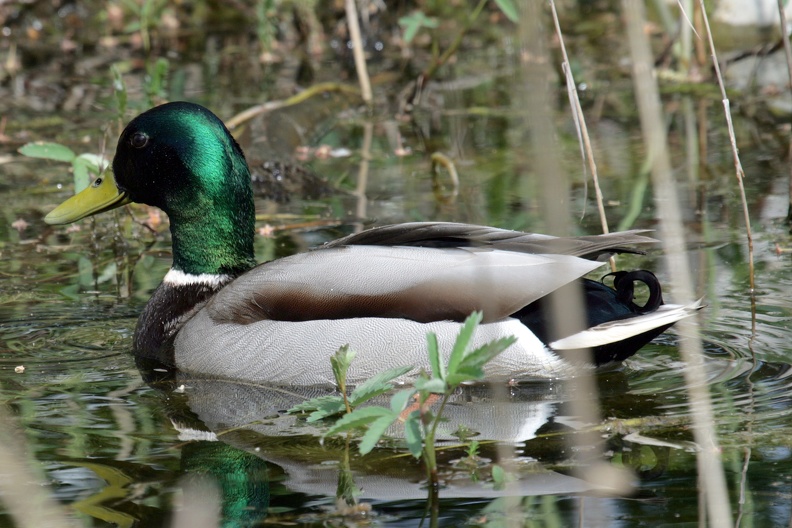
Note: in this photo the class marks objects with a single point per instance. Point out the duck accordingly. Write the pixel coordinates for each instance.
(217, 314)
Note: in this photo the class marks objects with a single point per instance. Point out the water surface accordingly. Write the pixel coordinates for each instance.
(119, 452)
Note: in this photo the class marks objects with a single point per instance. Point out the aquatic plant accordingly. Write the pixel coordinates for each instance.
(84, 166)
(412, 406)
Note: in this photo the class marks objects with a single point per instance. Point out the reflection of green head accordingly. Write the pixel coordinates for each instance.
(242, 479)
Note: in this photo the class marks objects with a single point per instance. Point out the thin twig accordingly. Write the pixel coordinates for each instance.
(686, 32)
(788, 54)
(737, 164)
(357, 51)
(580, 125)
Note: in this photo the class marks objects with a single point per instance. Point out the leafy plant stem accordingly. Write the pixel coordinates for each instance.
(342, 388)
(430, 455)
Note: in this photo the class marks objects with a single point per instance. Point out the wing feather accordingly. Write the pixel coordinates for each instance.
(450, 234)
(415, 283)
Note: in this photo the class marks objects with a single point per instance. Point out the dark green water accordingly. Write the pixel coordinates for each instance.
(118, 452)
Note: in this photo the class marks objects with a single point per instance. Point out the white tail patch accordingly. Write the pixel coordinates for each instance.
(615, 331)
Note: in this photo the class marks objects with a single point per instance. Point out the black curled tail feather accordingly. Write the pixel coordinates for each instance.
(602, 303)
(624, 284)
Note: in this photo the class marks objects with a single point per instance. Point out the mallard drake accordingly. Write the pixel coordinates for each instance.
(217, 314)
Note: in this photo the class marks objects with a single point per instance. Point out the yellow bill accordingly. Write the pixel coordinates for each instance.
(102, 195)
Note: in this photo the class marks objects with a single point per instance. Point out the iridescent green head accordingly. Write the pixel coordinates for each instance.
(181, 158)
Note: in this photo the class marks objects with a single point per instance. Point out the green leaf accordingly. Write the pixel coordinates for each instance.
(108, 273)
(463, 341)
(82, 174)
(412, 433)
(45, 150)
(435, 385)
(435, 360)
(501, 477)
(375, 431)
(414, 22)
(464, 375)
(85, 272)
(360, 417)
(509, 9)
(157, 77)
(410, 30)
(132, 27)
(327, 408)
(486, 353)
(498, 475)
(345, 489)
(96, 163)
(340, 362)
(400, 399)
(377, 385)
(320, 407)
(312, 404)
(119, 87)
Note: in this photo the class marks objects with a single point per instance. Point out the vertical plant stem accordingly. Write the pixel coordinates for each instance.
(357, 51)
(342, 388)
(788, 53)
(686, 37)
(580, 125)
(698, 26)
(737, 164)
(430, 455)
(566, 310)
(648, 98)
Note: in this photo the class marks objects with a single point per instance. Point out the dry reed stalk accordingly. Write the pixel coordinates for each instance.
(357, 51)
(566, 313)
(733, 140)
(686, 36)
(788, 54)
(713, 482)
(580, 125)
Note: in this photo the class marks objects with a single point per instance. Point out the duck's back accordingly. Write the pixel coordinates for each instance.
(415, 283)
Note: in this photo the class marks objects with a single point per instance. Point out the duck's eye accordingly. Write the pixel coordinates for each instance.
(138, 140)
